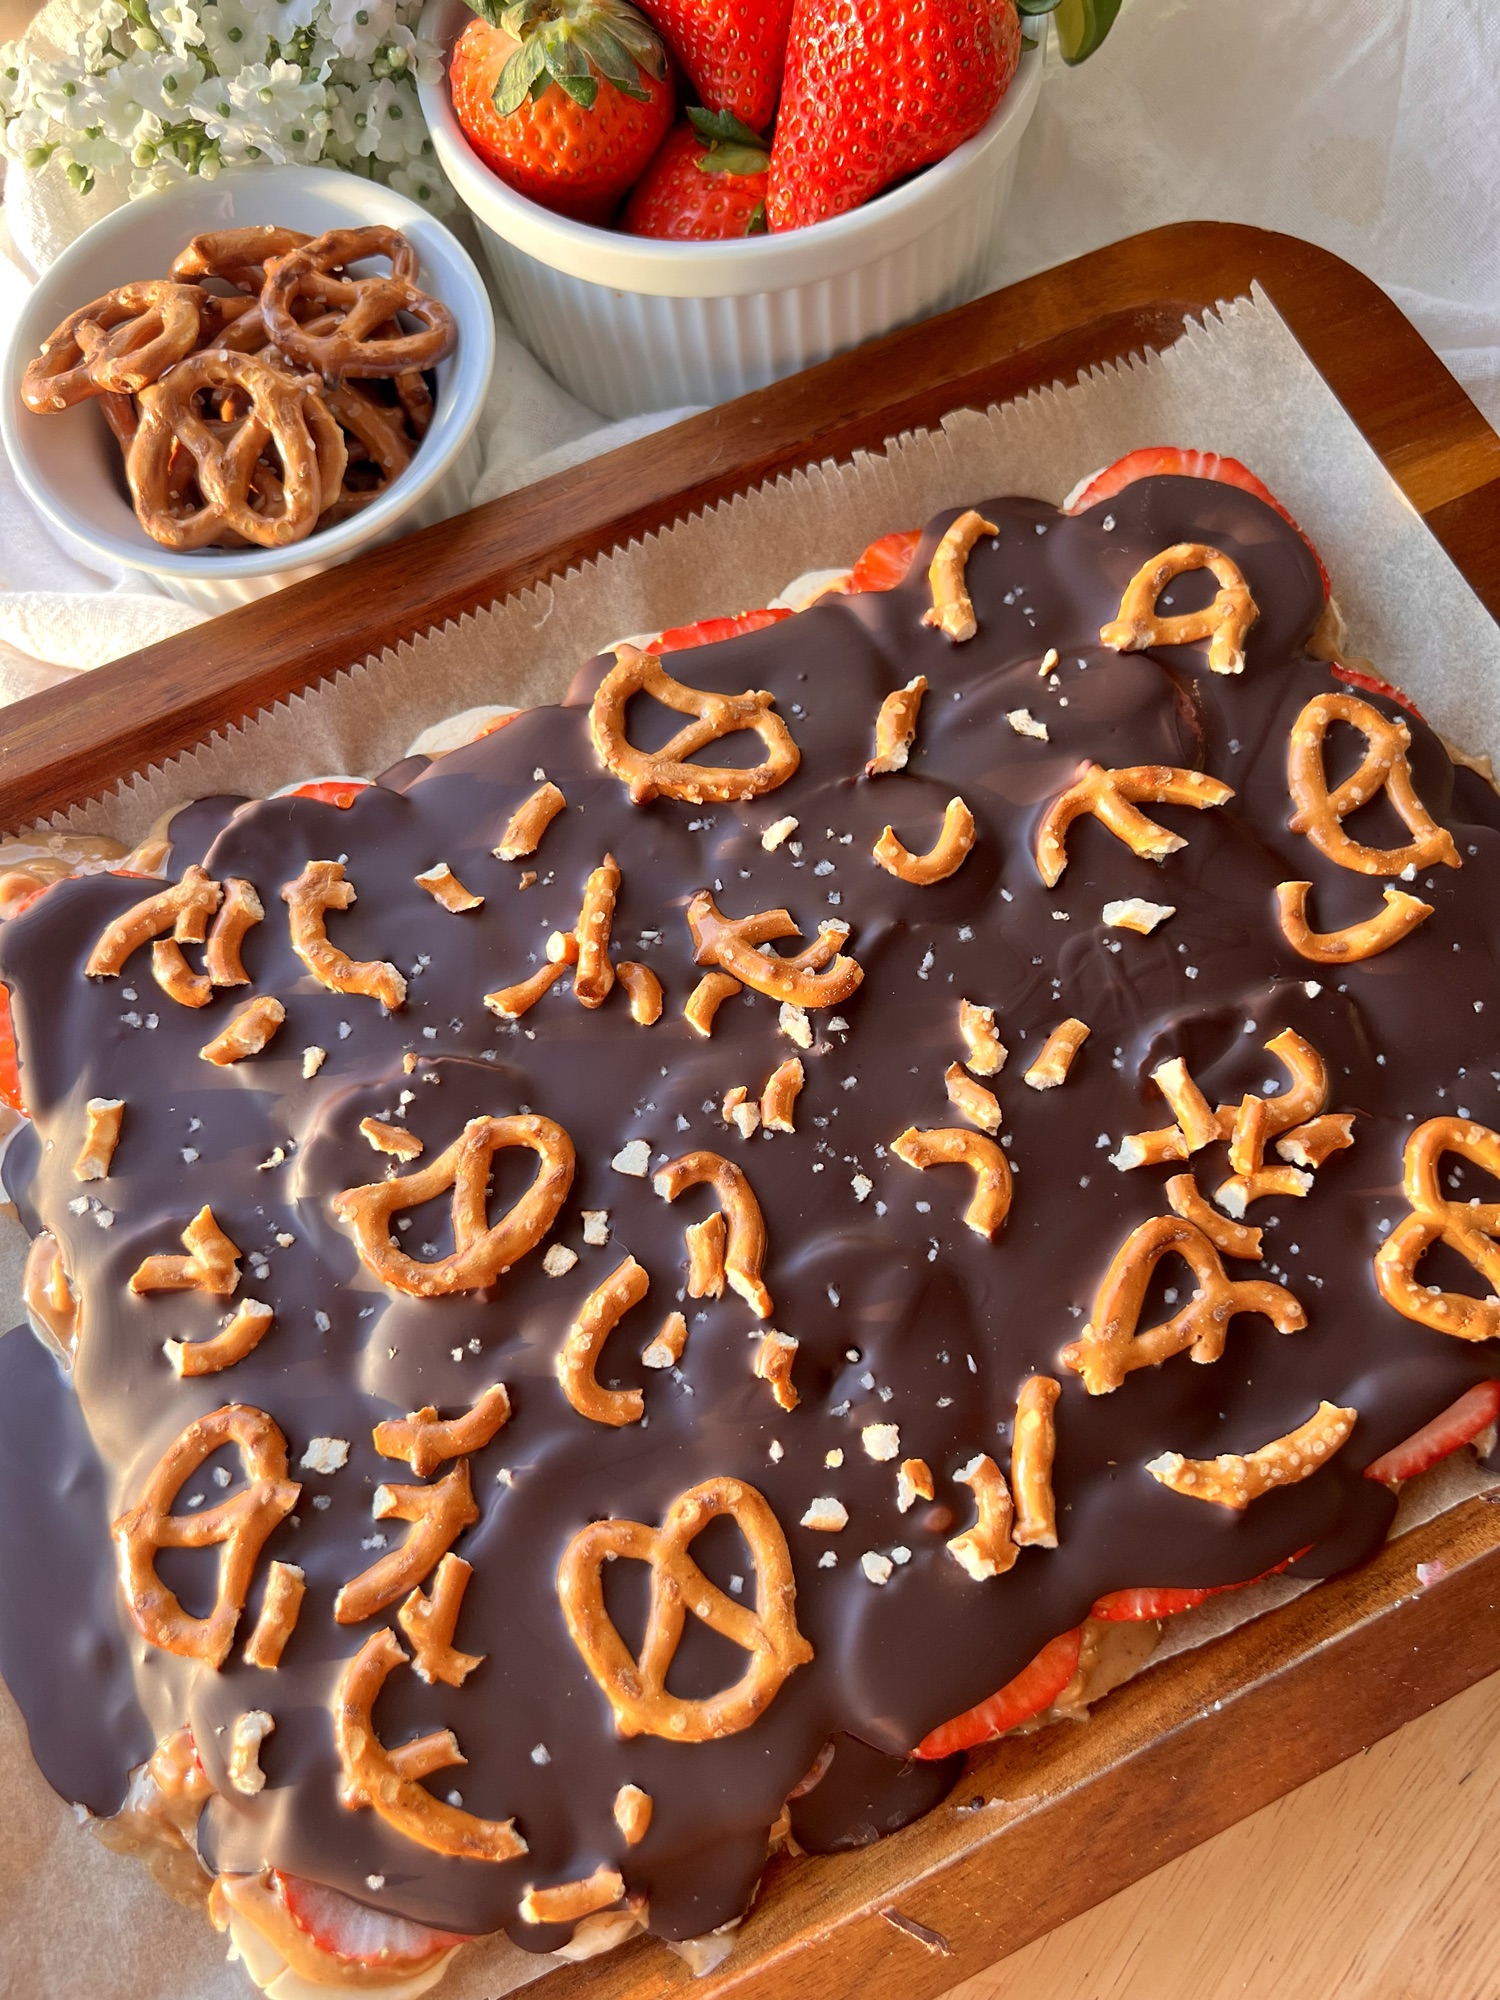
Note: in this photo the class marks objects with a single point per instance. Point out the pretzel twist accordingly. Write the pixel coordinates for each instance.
(1471, 1229)
(986, 1549)
(438, 1515)
(238, 256)
(211, 1263)
(636, 1688)
(424, 1441)
(242, 1524)
(1224, 623)
(115, 345)
(429, 1622)
(357, 346)
(896, 728)
(818, 976)
(183, 910)
(373, 1777)
(599, 1315)
(1234, 1481)
(952, 1146)
(746, 1230)
(321, 887)
(1401, 916)
(1384, 768)
(948, 575)
(1112, 1345)
(384, 444)
(666, 773)
(482, 1251)
(1112, 797)
(945, 857)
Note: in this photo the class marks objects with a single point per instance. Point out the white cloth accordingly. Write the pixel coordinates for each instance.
(1365, 125)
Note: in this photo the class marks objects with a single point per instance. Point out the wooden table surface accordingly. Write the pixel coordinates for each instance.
(1379, 1880)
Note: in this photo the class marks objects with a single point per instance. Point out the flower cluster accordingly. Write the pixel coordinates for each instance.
(179, 87)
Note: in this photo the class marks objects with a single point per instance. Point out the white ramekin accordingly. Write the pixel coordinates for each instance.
(629, 323)
(69, 465)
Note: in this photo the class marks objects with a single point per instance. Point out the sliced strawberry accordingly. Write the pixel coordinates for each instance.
(1162, 460)
(1034, 1688)
(1372, 684)
(708, 631)
(355, 1934)
(887, 562)
(10, 1066)
(1459, 1424)
(331, 791)
(1146, 1601)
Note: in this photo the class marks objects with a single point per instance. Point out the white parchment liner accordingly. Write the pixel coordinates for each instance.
(76, 1918)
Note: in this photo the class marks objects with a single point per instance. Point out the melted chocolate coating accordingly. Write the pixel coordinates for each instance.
(903, 1315)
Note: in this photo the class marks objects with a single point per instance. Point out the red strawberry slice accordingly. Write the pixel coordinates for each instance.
(1160, 460)
(355, 1935)
(1034, 1688)
(10, 1066)
(708, 631)
(1145, 1601)
(885, 563)
(1373, 684)
(1459, 1424)
(331, 791)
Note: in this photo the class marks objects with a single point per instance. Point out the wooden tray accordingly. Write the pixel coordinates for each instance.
(1073, 1814)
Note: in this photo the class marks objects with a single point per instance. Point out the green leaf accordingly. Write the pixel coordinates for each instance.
(734, 160)
(487, 10)
(722, 127)
(611, 59)
(1082, 25)
(632, 31)
(582, 89)
(517, 77)
(757, 225)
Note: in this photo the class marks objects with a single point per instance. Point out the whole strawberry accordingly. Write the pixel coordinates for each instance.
(733, 50)
(875, 89)
(708, 181)
(566, 100)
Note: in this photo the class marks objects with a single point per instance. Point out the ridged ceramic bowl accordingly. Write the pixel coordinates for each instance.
(70, 466)
(629, 323)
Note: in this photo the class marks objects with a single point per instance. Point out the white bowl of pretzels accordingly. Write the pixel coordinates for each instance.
(234, 384)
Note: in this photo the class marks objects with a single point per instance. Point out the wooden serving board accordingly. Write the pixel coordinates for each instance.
(1072, 1814)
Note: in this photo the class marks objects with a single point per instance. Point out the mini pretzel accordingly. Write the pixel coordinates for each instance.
(438, 1514)
(972, 1099)
(425, 1441)
(238, 915)
(1320, 813)
(632, 1813)
(706, 998)
(779, 1098)
(896, 728)
(986, 1549)
(394, 1140)
(511, 1002)
(746, 1228)
(1031, 1463)
(951, 1146)
(1052, 1066)
(1112, 797)
(945, 857)
(1230, 1239)
(1224, 623)
(183, 910)
(176, 978)
(482, 1252)
(372, 1775)
(1308, 1092)
(242, 1523)
(211, 1265)
(636, 1688)
(774, 1358)
(706, 1241)
(118, 344)
(952, 611)
(642, 989)
(987, 1052)
(1471, 1230)
(248, 1033)
(286, 1585)
(530, 820)
(595, 977)
(1252, 1180)
(444, 887)
(913, 1483)
(239, 256)
(819, 976)
(356, 347)
(429, 1622)
(244, 1333)
(1401, 915)
(384, 442)
(569, 1902)
(1311, 1144)
(599, 1315)
(1232, 1481)
(666, 773)
(1111, 1345)
(101, 1134)
(317, 890)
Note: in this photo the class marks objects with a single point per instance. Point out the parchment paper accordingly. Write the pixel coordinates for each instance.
(75, 1918)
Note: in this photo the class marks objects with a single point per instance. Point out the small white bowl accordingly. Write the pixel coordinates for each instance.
(70, 466)
(632, 323)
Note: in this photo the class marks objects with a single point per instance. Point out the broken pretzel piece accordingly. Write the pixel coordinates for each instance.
(819, 976)
(896, 728)
(429, 1621)
(632, 1813)
(745, 1250)
(444, 887)
(952, 608)
(599, 1315)
(952, 1146)
(176, 978)
(1031, 1459)
(706, 1276)
(395, 1140)
(425, 1441)
(972, 1099)
(1232, 1481)
(595, 977)
(321, 887)
(665, 1351)
(1056, 1059)
(211, 1265)
(251, 1029)
(1318, 1140)
(666, 773)
(438, 1514)
(1401, 916)
(774, 1358)
(1252, 1180)
(642, 989)
(183, 910)
(1230, 1239)
(103, 1117)
(1384, 768)
(986, 1549)
(1112, 797)
(987, 1052)
(779, 1098)
(286, 1586)
(706, 998)
(1224, 622)
(568, 1902)
(913, 1483)
(244, 1333)
(511, 1002)
(530, 820)
(944, 858)
(1197, 1123)
(240, 912)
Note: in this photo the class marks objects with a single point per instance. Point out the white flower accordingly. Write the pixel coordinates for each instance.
(98, 33)
(358, 27)
(406, 55)
(163, 172)
(177, 24)
(394, 130)
(234, 35)
(60, 96)
(274, 111)
(128, 101)
(424, 182)
(96, 151)
(286, 18)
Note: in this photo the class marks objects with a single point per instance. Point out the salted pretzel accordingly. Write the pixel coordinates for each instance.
(953, 1146)
(1053, 1063)
(948, 577)
(1251, 1179)
(482, 1251)
(373, 1775)
(282, 412)
(987, 1053)
(280, 1608)
(666, 773)
(746, 1230)
(245, 1331)
(1470, 1228)
(426, 1441)
(778, 1099)
(594, 980)
(819, 976)
(945, 857)
(359, 346)
(381, 434)
(980, 1106)
(987, 1549)
(1112, 797)
(1400, 917)
(103, 1118)
(1224, 623)
(181, 912)
(1234, 1481)
(118, 344)
(238, 256)
(438, 1514)
(706, 998)
(1384, 768)
(597, 1318)
(896, 728)
(1112, 1344)
(530, 820)
(429, 1620)
(239, 913)
(1031, 1459)
(210, 1265)
(242, 1523)
(321, 887)
(636, 1688)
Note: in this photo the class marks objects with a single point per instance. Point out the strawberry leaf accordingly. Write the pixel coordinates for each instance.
(518, 76)
(487, 10)
(724, 127)
(1082, 26)
(757, 225)
(734, 160)
(582, 89)
(634, 34)
(611, 58)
